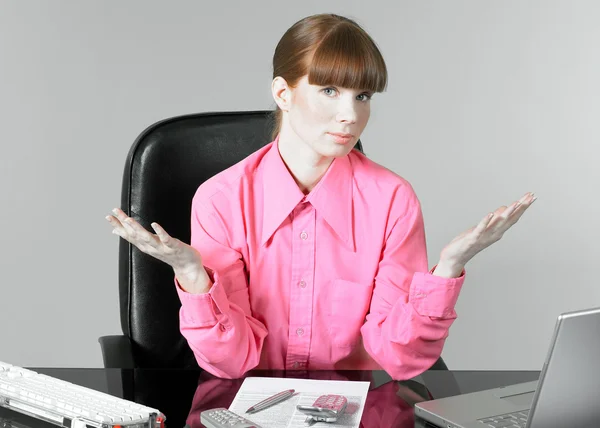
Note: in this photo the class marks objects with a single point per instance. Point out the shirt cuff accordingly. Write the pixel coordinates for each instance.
(207, 308)
(435, 296)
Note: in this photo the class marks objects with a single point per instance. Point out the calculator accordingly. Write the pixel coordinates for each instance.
(327, 408)
(224, 418)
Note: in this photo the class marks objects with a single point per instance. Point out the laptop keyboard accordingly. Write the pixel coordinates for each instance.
(509, 420)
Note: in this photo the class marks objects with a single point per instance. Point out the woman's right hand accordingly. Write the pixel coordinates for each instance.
(185, 260)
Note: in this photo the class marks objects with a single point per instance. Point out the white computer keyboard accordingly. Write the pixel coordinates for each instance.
(69, 405)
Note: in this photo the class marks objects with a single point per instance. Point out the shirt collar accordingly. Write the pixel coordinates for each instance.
(331, 197)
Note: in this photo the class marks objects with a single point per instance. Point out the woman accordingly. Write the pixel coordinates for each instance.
(306, 254)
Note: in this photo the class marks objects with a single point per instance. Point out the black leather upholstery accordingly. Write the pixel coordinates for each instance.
(164, 167)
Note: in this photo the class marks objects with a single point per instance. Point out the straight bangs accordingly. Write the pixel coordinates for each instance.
(348, 58)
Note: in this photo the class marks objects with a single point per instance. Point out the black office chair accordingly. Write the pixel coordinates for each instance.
(164, 167)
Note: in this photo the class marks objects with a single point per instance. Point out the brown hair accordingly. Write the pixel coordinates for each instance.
(331, 50)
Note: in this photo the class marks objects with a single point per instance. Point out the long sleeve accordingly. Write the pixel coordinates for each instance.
(226, 340)
(411, 310)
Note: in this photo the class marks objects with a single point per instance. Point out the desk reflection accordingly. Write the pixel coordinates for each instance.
(389, 403)
(181, 394)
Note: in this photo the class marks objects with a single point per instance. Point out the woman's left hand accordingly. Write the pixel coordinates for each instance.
(489, 230)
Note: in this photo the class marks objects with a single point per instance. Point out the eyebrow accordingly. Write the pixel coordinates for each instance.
(362, 91)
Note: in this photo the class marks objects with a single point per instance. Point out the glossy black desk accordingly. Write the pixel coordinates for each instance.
(182, 394)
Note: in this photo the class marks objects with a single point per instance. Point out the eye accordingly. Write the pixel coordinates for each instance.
(367, 96)
(330, 91)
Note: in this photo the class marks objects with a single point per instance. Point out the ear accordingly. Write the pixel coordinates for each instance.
(281, 93)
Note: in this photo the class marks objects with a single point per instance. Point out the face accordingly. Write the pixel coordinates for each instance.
(329, 119)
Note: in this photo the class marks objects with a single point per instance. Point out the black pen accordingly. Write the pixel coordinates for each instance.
(277, 398)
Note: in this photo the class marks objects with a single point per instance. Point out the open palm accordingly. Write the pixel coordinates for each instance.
(489, 230)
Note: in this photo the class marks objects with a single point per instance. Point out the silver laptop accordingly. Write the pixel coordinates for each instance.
(566, 395)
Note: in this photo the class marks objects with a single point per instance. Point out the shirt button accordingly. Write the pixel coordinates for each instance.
(302, 284)
(303, 236)
(300, 332)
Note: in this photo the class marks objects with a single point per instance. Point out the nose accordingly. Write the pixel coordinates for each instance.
(348, 112)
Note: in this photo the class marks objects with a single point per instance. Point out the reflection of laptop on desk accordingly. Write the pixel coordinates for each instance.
(566, 395)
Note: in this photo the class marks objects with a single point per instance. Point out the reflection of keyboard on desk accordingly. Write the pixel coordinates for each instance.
(69, 405)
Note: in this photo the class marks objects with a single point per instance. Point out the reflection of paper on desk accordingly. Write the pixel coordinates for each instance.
(284, 414)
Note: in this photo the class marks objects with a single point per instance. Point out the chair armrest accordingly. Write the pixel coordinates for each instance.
(117, 352)
(439, 365)
(446, 386)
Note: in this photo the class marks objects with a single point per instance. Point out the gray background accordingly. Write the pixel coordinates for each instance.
(486, 100)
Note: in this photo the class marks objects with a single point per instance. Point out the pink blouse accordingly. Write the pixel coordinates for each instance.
(336, 279)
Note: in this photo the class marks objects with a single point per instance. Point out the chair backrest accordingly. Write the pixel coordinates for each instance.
(164, 167)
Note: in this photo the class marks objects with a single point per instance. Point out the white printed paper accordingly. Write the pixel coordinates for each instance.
(285, 415)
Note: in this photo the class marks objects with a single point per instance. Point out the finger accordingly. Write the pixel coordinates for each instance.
(501, 223)
(517, 212)
(505, 217)
(124, 220)
(113, 221)
(500, 210)
(516, 215)
(127, 225)
(119, 233)
(119, 214)
(529, 200)
(141, 233)
(516, 208)
(511, 209)
(116, 224)
(526, 199)
(526, 196)
(523, 205)
(497, 216)
(483, 224)
(162, 234)
(118, 228)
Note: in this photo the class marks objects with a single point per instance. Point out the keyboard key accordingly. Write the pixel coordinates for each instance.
(509, 420)
(55, 399)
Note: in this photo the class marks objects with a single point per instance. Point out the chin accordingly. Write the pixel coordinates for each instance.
(327, 147)
(336, 151)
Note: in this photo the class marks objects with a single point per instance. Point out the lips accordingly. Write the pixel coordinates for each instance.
(339, 134)
(340, 138)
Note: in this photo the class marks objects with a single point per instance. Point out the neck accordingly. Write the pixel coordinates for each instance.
(306, 166)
